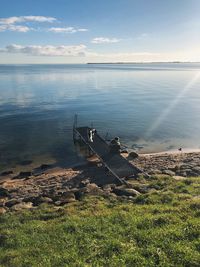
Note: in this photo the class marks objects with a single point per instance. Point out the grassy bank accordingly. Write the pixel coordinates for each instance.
(160, 228)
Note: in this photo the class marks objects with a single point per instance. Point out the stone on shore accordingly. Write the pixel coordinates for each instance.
(67, 198)
(23, 175)
(126, 192)
(6, 173)
(93, 189)
(12, 202)
(168, 172)
(133, 155)
(22, 206)
(4, 192)
(3, 201)
(2, 211)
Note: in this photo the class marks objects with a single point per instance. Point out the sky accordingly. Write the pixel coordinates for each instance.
(81, 31)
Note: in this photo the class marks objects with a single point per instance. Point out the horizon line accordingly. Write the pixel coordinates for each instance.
(118, 62)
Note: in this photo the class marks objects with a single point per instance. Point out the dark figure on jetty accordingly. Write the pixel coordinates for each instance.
(115, 145)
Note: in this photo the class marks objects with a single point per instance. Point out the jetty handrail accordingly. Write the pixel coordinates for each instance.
(116, 176)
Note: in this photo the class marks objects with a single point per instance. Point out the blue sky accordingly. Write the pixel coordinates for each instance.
(75, 31)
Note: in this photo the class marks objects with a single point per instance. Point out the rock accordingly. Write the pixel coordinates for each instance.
(179, 178)
(22, 206)
(2, 211)
(6, 173)
(37, 200)
(141, 188)
(181, 173)
(3, 201)
(56, 195)
(133, 155)
(12, 202)
(126, 192)
(168, 172)
(107, 188)
(68, 198)
(62, 192)
(32, 199)
(79, 194)
(45, 200)
(124, 151)
(84, 183)
(4, 192)
(186, 172)
(192, 173)
(58, 203)
(196, 169)
(93, 189)
(156, 171)
(22, 175)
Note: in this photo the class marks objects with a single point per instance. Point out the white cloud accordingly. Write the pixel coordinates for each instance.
(17, 28)
(47, 50)
(9, 24)
(104, 40)
(83, 30)
(14, 20)
(12, 24)
(78, 51)
(66, 30)
(3, 28)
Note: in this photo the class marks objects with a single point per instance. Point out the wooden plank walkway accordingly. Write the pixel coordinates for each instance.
(117, 164)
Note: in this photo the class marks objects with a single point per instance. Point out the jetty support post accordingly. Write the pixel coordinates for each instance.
(74, 128)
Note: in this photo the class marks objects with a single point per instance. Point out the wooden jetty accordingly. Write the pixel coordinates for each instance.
(114, 162)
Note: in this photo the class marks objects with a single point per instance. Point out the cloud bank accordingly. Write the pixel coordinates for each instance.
(47, 50)
(66, 30)
(104, 40)
(14, 20)
(78, 52)
(9, 24)
(14, 28)
(12, 24)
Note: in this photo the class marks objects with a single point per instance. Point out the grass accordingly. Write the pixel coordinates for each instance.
(160, 228)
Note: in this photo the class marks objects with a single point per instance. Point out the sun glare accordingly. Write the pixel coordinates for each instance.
(165, 113)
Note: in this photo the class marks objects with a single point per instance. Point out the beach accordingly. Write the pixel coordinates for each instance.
(59, 186)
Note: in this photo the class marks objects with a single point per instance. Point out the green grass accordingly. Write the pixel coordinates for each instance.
(155, 229)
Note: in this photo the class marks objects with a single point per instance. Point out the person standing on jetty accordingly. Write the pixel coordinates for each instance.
(115, 145)
(91, 135)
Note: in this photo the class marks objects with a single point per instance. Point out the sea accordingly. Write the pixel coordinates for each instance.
(152, 107)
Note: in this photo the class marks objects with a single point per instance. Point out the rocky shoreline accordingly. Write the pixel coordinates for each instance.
(173, 164)
(59, 186)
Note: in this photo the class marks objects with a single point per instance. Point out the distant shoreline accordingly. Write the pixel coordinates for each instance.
(162, 62)
(99, 63)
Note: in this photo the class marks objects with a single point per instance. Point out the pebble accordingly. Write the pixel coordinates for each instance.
(2, 210)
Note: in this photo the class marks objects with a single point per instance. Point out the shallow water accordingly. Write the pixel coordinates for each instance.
(151, 107)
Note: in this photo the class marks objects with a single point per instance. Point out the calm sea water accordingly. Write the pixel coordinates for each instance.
(152, 107)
